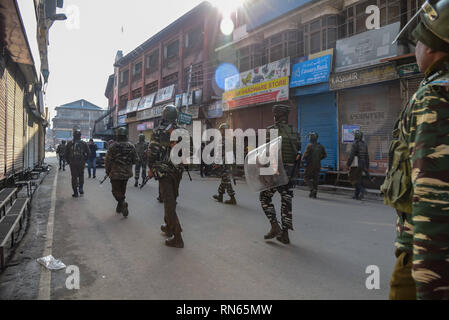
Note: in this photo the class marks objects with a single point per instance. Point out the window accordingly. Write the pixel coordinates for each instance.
(136, 93)
(123, 102)
(197, 77)
(170, 79)
(151, 87)
(137, 71)
(124, 75)
(152, 62)
(193, 39)
(171, 51)
(318, 35)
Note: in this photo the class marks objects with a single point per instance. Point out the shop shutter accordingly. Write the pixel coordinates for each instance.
(10, 101)
(375, 109)
(25, 139)
(319, 113)
(36, 143)
(133, 135)
(2, 121)
(18, 132)
(30, 142)
(413, 85)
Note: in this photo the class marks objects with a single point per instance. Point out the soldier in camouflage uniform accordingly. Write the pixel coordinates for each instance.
(118, 163)
(417, 181)
(291, 147)
(167, 173)
(359, 149)
(60, 151)
(76, 154)
(312, 162)
(141, 165)
(225, 169)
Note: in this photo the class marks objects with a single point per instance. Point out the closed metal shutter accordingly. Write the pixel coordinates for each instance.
(25, 138)
(413, 85)
(36, 143)
(375, 109)
(18, 129)
(2, 121)
(10, 101)
(318, 113)
(30, 143)
(133, 135)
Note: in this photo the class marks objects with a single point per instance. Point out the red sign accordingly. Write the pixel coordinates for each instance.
(145, 126)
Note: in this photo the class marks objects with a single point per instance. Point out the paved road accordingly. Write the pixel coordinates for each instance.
(225, 256)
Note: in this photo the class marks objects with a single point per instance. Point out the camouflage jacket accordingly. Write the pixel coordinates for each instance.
(141, 149)
(119, 160)
(425, 126)
(291, 141)
(76, 152)
(158, 155)
(359, 149)
(313, 155)
(60, 150)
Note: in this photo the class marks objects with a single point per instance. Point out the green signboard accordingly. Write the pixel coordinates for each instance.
(408, 69)
(184, 118)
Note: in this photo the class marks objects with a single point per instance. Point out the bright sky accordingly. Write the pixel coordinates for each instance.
(81, 59)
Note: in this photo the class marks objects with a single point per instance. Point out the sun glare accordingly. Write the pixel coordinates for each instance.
(226, 7)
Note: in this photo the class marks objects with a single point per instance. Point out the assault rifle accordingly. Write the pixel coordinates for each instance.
(104, 179)
(147, 178)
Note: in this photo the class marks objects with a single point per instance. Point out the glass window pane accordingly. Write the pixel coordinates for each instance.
(315, 43)
(316, 25)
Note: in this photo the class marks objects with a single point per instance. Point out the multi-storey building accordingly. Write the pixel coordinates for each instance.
(158, 71)
(80, 113)
(342, 77)
(24, 71)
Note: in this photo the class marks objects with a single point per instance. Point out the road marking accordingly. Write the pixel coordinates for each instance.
(45, 280)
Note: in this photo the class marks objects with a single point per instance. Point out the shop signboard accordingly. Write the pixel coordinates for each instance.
(121, 112)
(362, 77)
(215, 110)
(165, 94)
(184, 118)
(146, 102)
(311, 71)
(265, 92)
(132, 105)
(153, 112)
(121, 120)
(193, 111)
(367, 48)
(178, 100)
(408, 70)
(149, 125)
(347, 131)
(267, 72)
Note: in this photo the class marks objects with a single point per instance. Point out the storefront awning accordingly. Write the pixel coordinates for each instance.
(132, 105)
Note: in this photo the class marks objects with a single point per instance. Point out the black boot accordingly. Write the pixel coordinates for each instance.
(314, 192)
(81, 190)
(175, 241)
(274, 231)
(75, 193)
(165, 230)
(283, 237)
(118, 209)
(218, 197)
(136, 184)
(159, 199)
(125, 211)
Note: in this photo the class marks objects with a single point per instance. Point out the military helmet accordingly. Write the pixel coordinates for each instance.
(281, 109)
(224, 125)
(141, 137)
(358, 135)
(63, 141)
(121, 132)
(170, 113)
(313, 136)
(434, 26)
(76, 134)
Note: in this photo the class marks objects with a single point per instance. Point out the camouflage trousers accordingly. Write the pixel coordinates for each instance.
(266, 200)
(225, 184)
(311, 177)
(119, 189)
(140, 166)
(402, 284)
(77, 173)
(169, 190)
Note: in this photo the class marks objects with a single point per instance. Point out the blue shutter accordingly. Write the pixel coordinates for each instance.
(319, 113)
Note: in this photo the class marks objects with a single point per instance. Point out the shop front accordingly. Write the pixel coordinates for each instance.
(250, 96)
(316, 105)
(368, 100)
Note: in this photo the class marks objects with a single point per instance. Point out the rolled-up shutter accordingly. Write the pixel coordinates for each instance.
(2, 121)
(10, 101)
(18, 129)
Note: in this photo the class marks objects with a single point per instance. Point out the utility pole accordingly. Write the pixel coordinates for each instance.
(188, 88)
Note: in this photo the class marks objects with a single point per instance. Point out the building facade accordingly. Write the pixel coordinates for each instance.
(81, 114)
(174, 66)
(24, 31)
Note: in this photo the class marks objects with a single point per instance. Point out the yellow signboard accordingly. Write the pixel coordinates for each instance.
(255, 89)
